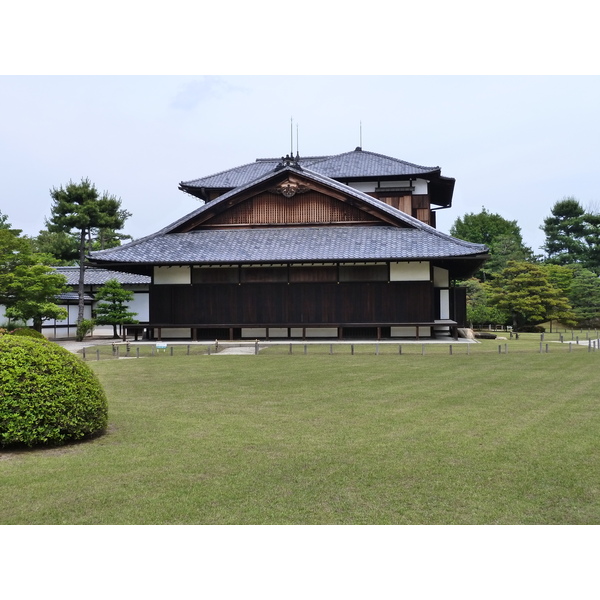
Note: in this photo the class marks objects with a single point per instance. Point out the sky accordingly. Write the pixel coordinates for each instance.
(514, 144)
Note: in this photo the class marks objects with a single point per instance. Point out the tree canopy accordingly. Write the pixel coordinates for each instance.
(524, 291)
(572, 235)
(112, 308)
(28, 288)
(501, 236)
(79, 209)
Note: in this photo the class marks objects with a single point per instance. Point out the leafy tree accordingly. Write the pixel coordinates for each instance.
(28, 289)
(81, 209)
(484, 228)
(592, 239)
(560, 276)
(479, 310)
(114, 310)
(58, 247)
(501, 236)
(4, 224)
(584, 295)
(524, 291)
(31, 293)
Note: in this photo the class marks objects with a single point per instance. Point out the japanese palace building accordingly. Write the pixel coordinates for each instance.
(340, 246)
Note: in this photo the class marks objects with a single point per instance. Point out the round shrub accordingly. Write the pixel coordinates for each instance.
(47, 394)
(26, 332)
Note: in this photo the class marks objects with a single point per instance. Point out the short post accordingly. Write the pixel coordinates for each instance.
(305, 348)
(256, 347)
(422, 349)
(352, 349)
(171, 350)
(540, 347)
(84, 353)
(505, 348)
(330, 348)
(547, 348)
(570, 346)
(291, 346)
(188, 349)
(577, 338)
(217, 346)
(137, 351)
(377, 349)
(97, 353)
(500, 349)
(117, 351)
(208, 350)
(399, 348)
(128, 348)
(468, 348)
(450, 349)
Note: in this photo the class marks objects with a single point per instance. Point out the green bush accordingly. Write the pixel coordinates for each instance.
(531, 329)
(84, 327)
(47, 394)
(26, 332)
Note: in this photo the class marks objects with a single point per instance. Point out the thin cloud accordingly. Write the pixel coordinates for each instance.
(197, 92)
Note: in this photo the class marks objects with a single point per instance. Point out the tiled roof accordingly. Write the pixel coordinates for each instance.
(101, 276)
(293, 244)
(74, 297)
(408, 240)
(394, 213)
(358, 163)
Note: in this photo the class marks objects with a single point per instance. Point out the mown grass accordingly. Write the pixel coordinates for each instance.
(484, 438)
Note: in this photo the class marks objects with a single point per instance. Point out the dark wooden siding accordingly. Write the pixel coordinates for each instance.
(302, 303)
(273, 209)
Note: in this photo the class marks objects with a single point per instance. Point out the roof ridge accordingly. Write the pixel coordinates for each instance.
(217, 173)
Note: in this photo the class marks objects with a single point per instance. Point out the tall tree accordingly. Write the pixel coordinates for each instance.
(479, 309)
(79, 208)
(113, 309)
(59, 247)
(501, 236)
(523, 290)
(28, 289)
(4, 224)
(565, 231)
(584, 295)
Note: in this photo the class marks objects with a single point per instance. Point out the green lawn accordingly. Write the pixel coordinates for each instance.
(482, 438)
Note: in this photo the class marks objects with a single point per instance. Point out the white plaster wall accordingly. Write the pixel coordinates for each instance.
(410, 271)
(395, 184)
(172, 275)
(174, 332)
(140, 305)
(363, 186)
(421, 186)
(410, 332)
(440, 277)
(315, 332)
(444, 304)
(254, 332)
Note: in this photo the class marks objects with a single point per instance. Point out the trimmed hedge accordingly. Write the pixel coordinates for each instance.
(48, 396)
(26, 332)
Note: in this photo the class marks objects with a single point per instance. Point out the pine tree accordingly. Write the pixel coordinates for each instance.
(80, 208)
(114, 310)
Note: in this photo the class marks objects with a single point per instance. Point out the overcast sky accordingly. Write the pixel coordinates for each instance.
(514, 144)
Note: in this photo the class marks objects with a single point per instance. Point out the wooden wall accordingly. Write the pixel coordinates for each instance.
(301, 303)
(304, 208)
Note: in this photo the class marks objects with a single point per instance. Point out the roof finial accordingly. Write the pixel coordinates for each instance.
(360, 136)
(291, 136)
